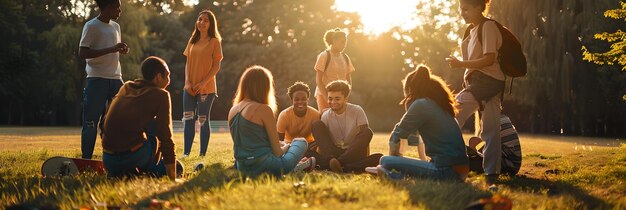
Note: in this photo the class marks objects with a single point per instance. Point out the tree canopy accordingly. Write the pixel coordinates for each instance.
(42, 78)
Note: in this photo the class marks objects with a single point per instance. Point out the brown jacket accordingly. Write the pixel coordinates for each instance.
(135, 105)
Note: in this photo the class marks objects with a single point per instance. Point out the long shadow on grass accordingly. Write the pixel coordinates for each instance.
(214, 176)
(441, 194)
(539, 186)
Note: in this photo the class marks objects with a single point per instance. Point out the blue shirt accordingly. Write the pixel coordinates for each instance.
(439, 131)
(250, 140)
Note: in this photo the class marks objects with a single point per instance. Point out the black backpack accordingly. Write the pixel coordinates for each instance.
(328, 57)
(510, 55)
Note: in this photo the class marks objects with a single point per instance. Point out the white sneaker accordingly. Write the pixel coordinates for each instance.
(306, 164)
(198, 167)
(372, 170)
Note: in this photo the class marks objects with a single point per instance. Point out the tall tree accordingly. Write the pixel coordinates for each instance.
(617, 53)
(552, 34)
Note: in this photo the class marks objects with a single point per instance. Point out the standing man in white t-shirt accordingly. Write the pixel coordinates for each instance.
(101, 45)
(343, 133)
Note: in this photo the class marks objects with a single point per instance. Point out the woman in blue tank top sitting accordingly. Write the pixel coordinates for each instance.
(252, 125)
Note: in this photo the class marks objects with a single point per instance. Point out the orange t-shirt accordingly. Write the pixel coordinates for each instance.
(200, 59)
(293, 126)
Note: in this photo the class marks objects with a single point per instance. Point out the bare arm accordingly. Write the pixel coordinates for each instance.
(349, 78)
(484, 61)
(231, 113)
(86, 52)
(170, 169)
(188, 87)
(319, 81)
(269, 122)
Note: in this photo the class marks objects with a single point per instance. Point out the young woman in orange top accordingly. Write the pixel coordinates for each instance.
(204, 55)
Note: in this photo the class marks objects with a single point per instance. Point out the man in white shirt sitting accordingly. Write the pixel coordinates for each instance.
(343, 134)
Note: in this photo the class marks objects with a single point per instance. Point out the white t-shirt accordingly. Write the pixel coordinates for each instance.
(472, 49)
(338, 69)
(344, 127)
(99, 35)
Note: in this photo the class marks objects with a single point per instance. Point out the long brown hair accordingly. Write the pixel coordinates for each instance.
(257, 84)
(421, 84)
(213, 32)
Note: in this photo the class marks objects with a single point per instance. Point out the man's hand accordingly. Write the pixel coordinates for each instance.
(121, 48)
(170, 169)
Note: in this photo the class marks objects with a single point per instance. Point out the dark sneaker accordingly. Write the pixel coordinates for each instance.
(335, 165)
(491, 179)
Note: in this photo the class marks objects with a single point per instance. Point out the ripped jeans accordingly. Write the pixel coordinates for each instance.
(97, 94)
(197, 107)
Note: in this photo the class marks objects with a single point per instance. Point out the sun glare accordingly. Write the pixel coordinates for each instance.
(191, 2)
(378, 17)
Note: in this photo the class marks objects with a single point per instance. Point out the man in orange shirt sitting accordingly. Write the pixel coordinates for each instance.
(295, 121)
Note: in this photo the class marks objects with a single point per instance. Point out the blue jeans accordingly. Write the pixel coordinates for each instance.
(197, 107)
(97, 94)
(418, 168)
(137, 162)
(272, 164)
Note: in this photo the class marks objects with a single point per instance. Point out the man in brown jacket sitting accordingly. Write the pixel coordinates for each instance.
(139, 116)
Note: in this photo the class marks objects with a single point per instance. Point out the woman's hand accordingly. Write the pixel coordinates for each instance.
(198, 86)
(284, 147)
(454, 62)
(187, 87)
(394, 149)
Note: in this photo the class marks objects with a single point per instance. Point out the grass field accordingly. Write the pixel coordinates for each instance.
(557, 173)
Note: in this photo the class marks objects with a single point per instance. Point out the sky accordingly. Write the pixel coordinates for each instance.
(378, 16)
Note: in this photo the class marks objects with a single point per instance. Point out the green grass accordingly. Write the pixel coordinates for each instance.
(557, 173)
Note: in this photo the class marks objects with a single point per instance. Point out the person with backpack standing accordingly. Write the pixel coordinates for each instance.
(204, 56)
(332, 64)
(484, 82)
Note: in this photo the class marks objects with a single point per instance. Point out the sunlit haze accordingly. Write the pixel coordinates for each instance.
(381, 16)
(191, 2)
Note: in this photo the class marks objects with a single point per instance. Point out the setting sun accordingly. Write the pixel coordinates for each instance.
(378, 17)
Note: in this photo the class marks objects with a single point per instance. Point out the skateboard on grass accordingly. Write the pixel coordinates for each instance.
(64, 166)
